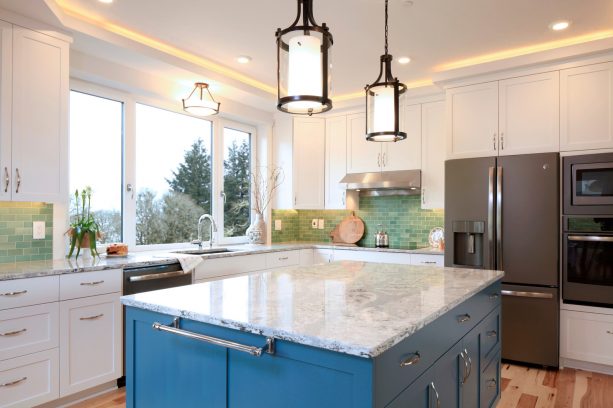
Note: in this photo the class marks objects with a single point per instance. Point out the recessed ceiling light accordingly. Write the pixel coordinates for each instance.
(404, 60)
(559, 25)
(243, 59)
(106, 1)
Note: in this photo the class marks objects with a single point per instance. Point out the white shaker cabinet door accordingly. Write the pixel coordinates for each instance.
(529, 114)
(472, 121)
(91, 331)
(6, 78)
(40, 117)
(433, 155)
(362, 156)
(405, 154)
(309, 163)
(336, 162)
(586, 107)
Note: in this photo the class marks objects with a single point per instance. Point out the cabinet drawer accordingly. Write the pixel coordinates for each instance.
(26, 292)
(34, 379)
(429, 343)
(490, 382)
(489, 334)
(427, 260)
(77, 285)
(91, 342)
(217, 267)
(281, 259)
(587, 337)
(28, 330)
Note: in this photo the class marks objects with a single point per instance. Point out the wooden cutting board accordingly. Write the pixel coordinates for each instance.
(349, 231)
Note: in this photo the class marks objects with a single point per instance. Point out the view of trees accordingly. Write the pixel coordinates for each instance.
(173, 217)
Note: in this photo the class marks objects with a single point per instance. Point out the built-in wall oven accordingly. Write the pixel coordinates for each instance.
(588, 184)
(588, 260)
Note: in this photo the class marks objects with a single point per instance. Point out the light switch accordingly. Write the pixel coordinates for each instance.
(321, 223)
(38, 230)
(314, 223)
(278, 225)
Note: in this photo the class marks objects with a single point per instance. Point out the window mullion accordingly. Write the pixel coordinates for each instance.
(217, 179)
(129, 173)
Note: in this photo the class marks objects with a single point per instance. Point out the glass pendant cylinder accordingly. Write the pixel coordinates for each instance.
(303, 57)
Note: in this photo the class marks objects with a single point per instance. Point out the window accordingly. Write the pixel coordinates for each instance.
(152, 184)
(173, 175)
(96, 131)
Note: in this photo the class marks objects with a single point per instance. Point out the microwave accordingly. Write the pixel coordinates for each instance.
(588, 184)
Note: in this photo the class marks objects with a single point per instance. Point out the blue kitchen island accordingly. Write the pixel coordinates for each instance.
(345, 334)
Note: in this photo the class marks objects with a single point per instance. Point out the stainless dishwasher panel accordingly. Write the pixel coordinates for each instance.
(530, 324)
(148, 278)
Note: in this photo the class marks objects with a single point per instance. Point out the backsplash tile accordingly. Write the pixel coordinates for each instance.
(16, 243)
(401, 216)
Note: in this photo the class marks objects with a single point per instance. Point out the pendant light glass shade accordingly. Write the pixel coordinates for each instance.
(303, 64)
(200, 102)
(385, 101)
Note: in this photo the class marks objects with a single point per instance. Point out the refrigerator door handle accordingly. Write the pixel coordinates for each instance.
(539, 295)
(490, 216)
(499, 263)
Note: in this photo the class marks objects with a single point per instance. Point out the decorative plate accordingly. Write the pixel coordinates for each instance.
(436, 236)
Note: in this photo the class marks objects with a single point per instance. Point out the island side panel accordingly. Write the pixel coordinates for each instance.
(164, 369)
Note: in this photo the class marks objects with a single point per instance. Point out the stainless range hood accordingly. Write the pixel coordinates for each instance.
(405, 182)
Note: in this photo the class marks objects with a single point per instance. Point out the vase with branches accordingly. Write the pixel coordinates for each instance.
(84, 230)
(265, 182)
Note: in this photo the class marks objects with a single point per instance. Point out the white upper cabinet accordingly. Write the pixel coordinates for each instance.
(586, 107)
(472, 121)
(529, 114)
(34, 113)
(309, 163)
(336, 162)
(433, 155)
(362, 156)
(405, 154)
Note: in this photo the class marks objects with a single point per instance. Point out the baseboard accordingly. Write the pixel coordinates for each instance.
(586, 366)
(80, 396)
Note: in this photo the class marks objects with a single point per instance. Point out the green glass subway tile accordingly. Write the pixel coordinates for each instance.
(39, 257)
(15, 252)
(30, 251)
(24, 217)
(38, 243)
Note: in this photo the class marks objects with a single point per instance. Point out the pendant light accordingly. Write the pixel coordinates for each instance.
(303, 64)
(385, 102)
(200, 102)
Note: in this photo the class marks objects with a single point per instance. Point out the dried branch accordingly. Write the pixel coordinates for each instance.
(265, 182)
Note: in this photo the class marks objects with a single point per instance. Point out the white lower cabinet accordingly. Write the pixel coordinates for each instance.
(217, 268)
(90, 342)
(30, 329)
(306, 257)
(29, 380)
(331, 255)
(586, 337)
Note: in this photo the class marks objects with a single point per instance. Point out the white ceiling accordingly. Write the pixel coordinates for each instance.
(431, 32)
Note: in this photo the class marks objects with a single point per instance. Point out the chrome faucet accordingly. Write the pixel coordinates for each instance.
(213, 230)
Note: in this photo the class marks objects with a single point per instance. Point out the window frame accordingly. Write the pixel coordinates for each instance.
(128, 154)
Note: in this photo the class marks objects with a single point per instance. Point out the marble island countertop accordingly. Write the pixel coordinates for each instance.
(19, 270)
(356, 308)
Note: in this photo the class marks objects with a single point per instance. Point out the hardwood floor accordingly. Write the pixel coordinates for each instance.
(522, 387)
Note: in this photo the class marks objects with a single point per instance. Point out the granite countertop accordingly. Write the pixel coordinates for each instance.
(356, 308)
(19, 270)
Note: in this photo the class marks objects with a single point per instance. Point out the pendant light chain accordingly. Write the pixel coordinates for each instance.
(386, 27)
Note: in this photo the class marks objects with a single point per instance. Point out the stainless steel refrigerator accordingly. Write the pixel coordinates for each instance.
(504, 213)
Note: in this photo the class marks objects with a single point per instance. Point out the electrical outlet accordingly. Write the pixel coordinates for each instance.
(314, 223)
(38, 230)
(278, 225)
(321, 224)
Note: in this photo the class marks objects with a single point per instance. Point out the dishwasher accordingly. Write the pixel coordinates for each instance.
(148, 278)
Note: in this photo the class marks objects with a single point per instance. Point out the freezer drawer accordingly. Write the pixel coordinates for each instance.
(530, 324)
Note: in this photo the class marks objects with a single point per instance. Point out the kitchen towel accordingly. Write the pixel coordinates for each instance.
(188, 262)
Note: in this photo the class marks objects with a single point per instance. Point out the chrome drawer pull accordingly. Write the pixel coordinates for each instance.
(6, 180)
(269, 348)
(464, 318)
(494, 296)
(429, 262)
(438, 400)
(609, 332)
(91, 283)
(8, 384)
(492, 333)
(464, 375)
(163, 275)
(285, 258)
(411, 360)
(492, 383)
(92, 317)
(470, 364)
(13, 333)
(18, 180)
(21, 292)
(538, 295)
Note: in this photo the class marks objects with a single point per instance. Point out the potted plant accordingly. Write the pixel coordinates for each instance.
(84, 230)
